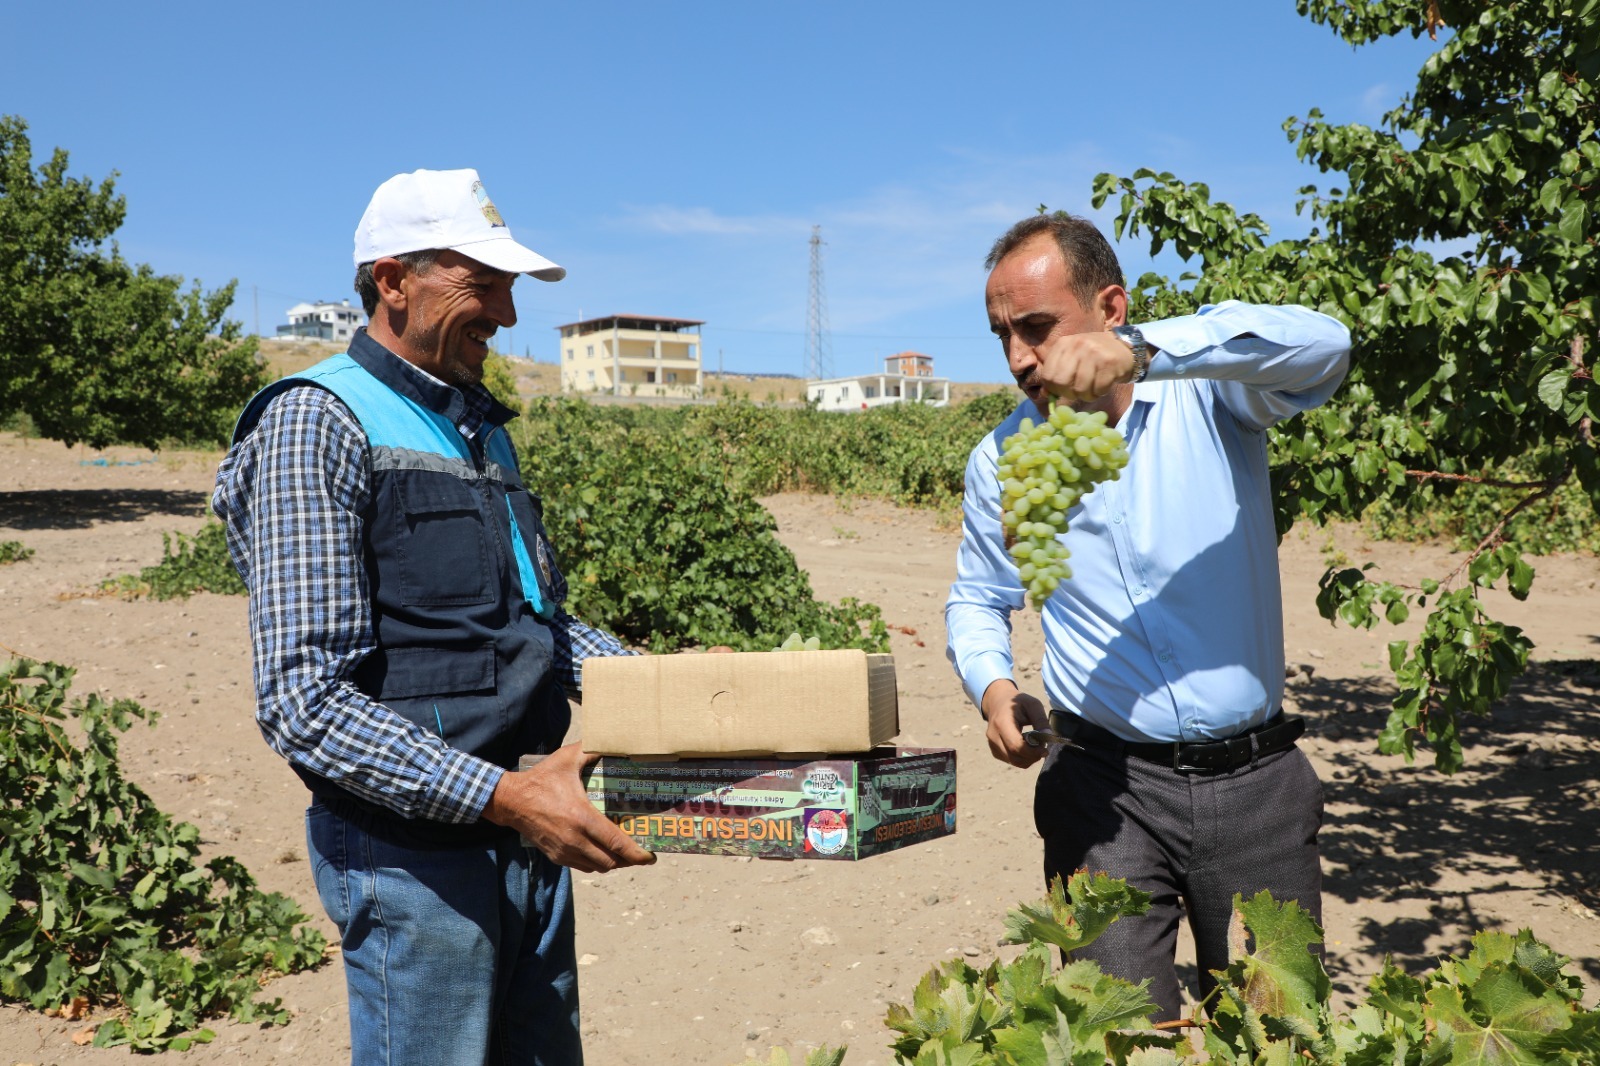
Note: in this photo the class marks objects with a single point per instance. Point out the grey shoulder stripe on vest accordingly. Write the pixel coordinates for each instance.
(385, 457)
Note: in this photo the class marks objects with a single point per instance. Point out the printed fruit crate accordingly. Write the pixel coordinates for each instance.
(843, 807)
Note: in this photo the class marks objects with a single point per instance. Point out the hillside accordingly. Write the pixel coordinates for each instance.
(543, 379)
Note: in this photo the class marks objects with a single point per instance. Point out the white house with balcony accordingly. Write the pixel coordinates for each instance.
(323, 321)
(632, 355)
(907, 378)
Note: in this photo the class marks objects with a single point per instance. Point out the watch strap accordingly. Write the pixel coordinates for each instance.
(1134, 339)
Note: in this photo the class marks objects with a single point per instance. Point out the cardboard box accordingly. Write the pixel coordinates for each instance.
(739, 703)
(846, 808)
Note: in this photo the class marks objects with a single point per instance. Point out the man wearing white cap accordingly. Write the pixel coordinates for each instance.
(410, 646)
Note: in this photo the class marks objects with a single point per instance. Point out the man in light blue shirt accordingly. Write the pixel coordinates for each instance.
(1163, 660)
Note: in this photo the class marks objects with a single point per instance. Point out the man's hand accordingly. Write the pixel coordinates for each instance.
(1009, 711)
(1083, 367)
(549, 806)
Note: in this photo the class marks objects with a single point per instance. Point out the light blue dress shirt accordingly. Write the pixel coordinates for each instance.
(1171, 626)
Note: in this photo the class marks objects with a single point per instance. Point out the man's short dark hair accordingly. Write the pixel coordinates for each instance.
(1091, 264)
(367, 286)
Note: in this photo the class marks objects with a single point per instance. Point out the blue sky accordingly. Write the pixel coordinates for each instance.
(674, 157)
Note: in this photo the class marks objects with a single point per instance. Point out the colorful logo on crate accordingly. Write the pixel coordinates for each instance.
(826, 832)
(950, 813)
(822, 786)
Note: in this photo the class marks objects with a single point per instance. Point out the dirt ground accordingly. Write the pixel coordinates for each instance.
(713, 960)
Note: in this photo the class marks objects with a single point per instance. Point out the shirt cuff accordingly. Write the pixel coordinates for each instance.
(1175, 348)
(984, 671)
(465, 783)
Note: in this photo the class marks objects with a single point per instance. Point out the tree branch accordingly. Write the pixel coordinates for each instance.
(1585, 424)
(1497, 534)
(1435, 475)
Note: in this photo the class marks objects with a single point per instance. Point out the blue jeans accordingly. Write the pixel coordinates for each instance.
(452, 955)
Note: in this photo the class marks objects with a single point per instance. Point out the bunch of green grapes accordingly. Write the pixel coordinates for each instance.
(796, 642)
(1044, 470)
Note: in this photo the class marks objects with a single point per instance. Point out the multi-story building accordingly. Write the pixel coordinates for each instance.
(907, 378)
(632, 355)
(323, 321)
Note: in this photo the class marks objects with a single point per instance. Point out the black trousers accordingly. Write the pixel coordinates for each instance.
(1190, 840)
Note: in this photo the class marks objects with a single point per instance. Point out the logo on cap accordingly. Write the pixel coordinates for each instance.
(486, 205)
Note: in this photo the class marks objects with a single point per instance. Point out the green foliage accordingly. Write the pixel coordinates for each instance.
(93, 348)
(822, 1056)
(102, 896)
(14, 551)
(1510, 1000)
(1464, 662)
(188, 565)
(1471, 361)
(1075, 912)
(1021, 1013)
(1276, 993)
(1466, 512)
(500, 381)
(912, 454)
(661, 545)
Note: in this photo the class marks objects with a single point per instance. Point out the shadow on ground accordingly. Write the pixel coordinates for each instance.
(80, 508)
(1526, 800)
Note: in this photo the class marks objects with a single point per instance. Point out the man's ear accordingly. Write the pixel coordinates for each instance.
(389, 275)
(1112, 303)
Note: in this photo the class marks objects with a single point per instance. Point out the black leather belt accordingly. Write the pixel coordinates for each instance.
(1204, 757)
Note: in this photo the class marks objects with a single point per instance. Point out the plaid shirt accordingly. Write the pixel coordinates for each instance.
(291, 495)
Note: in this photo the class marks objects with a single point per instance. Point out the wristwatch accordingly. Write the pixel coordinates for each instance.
(1131, 336)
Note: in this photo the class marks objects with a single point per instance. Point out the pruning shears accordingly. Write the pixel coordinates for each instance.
(1039, 738)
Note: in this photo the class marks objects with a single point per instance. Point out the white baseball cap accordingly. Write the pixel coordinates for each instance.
(439, 209)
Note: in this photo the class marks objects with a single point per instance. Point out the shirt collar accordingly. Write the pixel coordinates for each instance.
(469, 408)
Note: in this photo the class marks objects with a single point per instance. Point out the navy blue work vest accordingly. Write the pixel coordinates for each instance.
(461, 580)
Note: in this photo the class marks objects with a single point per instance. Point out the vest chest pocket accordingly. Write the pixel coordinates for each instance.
(442, 544)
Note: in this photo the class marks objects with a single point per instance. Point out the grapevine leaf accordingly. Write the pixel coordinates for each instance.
(1516, 999)
(953, 1003)
(1545, 964)
(1279, 976)
(1101, 1002)
(1039, 1043)
(1132, 1049)
(1076, 911)
(1023, 983)
(958, 1055)
(1580, 1040)
(1502, 1040)
(1395, 992)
